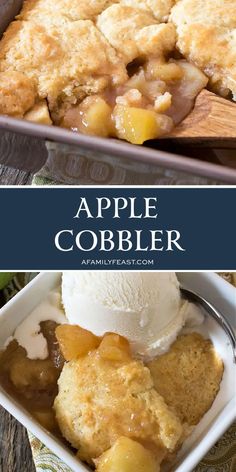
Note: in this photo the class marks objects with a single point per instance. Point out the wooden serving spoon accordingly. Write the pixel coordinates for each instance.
(212, 122)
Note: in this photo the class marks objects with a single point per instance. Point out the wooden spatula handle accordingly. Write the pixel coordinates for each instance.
(212, 117)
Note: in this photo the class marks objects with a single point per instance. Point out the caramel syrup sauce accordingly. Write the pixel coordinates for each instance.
(33, 383)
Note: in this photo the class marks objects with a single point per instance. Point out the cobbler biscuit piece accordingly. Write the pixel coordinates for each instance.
(134, 32)
(17, 93)
(211, 12)
(188, 376)
(159, 8)
(120, 24)
(60, 11)
(99, 401)
(156, 40)
(66, 63)
(207, 36)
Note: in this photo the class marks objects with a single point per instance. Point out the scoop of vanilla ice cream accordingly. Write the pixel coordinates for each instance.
(144, 307)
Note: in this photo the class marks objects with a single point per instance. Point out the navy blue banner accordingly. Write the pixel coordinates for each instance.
(118, 228)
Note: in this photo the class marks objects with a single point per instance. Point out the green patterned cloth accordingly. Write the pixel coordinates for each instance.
(221, 458)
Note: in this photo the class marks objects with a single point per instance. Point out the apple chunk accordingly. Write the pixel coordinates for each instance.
(127, 455)
(75, 342)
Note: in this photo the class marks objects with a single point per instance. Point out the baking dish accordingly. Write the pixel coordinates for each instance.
(116, 151)
(214, 423)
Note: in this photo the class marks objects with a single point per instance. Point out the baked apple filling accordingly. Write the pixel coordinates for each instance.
(156, 98)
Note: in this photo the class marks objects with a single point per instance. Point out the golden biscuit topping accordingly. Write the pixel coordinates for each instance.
(66, 64)
(17, 93)
(63, 10)
(188, 376)
(100, 400)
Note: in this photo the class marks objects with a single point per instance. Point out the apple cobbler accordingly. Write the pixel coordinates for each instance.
(104, 68)
(116, 412)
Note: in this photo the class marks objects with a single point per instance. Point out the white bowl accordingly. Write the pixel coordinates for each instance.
(214, 423)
